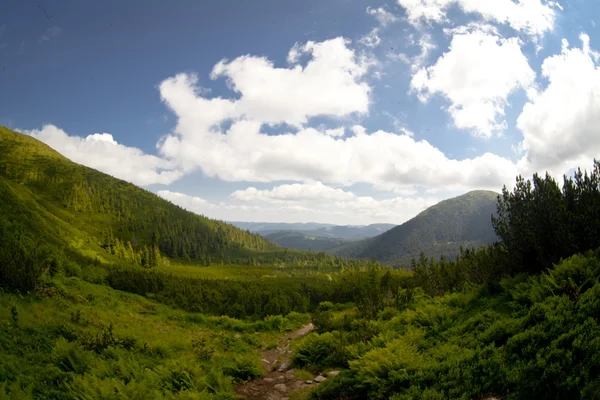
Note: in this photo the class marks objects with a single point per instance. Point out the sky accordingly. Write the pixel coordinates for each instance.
(333, 111)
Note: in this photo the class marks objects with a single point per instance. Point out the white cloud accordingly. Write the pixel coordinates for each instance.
(426, 46)
(383, 16)
(293, 192)
(330, 84)
(320, 198)
(337, 132)
(561, 124)
(371, 39)
(477, 75)
(534, 17)
(100, 151)
(290, 203)
(242, 152)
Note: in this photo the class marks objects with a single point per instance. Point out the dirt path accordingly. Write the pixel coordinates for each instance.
(279, 381)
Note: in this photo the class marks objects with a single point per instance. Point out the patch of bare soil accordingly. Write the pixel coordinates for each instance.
(279, 380)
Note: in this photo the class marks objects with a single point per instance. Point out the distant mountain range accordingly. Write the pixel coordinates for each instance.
(439, 230)
(311, 235)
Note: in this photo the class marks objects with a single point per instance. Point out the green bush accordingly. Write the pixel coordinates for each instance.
(275, 323)
(243, 368)
(325, 306)
(322, 350)
(72, 357)
(71, 268)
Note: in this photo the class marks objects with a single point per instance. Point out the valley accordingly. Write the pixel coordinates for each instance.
(110, 292)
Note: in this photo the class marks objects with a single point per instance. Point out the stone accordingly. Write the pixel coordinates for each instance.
(280, 387)
(268, 380)
(320, 378)
(289, 375)
(308, 382)
(281, 379)
(331, 374)
(283, 366)
(264, 360)
(237, 336)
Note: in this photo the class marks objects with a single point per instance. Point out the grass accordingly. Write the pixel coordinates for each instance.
(242, 272)
(165, 351)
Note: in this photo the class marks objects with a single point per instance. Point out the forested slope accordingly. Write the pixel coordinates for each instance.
(62, 202)
(438, 231)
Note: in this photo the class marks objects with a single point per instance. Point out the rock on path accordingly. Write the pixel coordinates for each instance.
(279, 380)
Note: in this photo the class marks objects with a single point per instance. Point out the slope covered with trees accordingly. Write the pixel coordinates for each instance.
(64, 203)
(441, 230)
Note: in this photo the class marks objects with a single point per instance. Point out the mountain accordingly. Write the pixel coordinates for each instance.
(279, 226)
(352, 232)
(343, 232)
(94, 215)
(439, 230)
(300, 241)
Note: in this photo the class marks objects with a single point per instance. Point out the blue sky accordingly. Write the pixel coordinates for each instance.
(348, 112)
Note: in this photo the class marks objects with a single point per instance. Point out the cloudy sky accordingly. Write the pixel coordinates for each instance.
(338, 111)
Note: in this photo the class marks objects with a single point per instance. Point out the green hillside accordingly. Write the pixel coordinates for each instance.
(440, 230)
(301, 241)
(95, 215)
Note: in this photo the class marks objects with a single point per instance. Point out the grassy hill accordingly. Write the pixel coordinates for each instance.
(440, 230)
(97, 216)
(301, 241)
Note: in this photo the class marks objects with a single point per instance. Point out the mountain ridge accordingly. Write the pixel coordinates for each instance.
(440, 230)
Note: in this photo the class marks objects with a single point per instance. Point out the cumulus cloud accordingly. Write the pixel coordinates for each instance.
(317, 196)
(477, 75)
(330, 84)
(241, 151)
(244, 153)
(561, 124)
(293, 192)
(100, 151)
(291, 203)
(533, 17)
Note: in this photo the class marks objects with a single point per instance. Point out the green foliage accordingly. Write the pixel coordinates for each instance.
(14, 315)
(321, 350)
(325, 306)
(243, 368)
(475, 343)
(275, 323)
(202, 349)
(71, 357)
(68, 204)
(539, 223)
(21, 263)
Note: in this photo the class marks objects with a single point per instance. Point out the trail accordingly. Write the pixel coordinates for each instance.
(279, 381)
